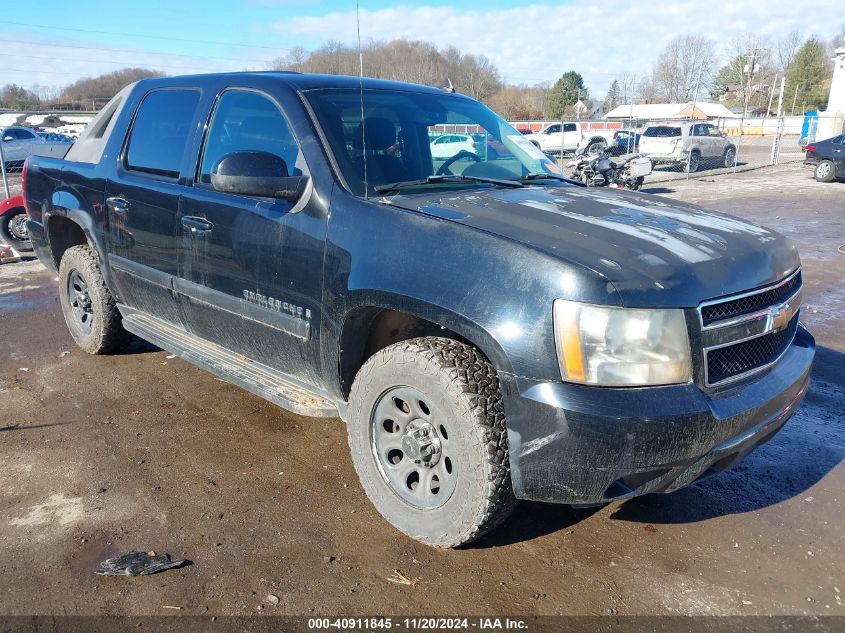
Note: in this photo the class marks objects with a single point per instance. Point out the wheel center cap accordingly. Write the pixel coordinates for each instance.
(421, 444)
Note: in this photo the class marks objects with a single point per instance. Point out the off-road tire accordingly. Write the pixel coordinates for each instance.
(8, 236)
(824, 171)
(461, 383)
(107, 335)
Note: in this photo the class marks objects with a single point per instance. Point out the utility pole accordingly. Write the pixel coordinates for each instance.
(776, 143)
(771, 96)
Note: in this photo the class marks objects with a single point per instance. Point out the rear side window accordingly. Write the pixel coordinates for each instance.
(662, 131)
(568, 127)
(161, 130)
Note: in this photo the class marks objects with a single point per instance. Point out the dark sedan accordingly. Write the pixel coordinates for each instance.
(828, 156)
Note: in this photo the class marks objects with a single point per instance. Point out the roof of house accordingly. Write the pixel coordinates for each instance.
(668, 111)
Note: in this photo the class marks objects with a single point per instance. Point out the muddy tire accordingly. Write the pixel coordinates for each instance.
(89, 309)
(824, 171)
(13, 229)
(428, 440)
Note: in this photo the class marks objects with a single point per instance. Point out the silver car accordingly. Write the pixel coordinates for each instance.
(688, 145)
(21, 142)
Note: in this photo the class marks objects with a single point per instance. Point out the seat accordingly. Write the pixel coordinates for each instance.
(382, 168)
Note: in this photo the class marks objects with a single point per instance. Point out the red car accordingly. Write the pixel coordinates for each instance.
(13, 223)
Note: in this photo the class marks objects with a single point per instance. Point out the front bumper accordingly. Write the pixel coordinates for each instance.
(577, 444)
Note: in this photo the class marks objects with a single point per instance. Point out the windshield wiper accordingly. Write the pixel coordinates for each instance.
(536, 175)
(437, 178)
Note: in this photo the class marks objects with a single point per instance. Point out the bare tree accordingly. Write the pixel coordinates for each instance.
(685, 66)
(786, 49)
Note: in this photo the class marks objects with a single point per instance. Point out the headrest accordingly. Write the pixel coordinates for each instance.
(381, 134)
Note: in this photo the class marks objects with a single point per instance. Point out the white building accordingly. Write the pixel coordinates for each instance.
(832, 120)
(671, 111)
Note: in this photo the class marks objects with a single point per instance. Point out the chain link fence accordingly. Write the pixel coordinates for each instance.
(683, 149)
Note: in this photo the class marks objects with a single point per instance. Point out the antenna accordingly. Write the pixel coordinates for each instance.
(449, 88)
(361, 89)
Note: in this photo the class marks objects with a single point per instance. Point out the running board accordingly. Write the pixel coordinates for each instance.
(263, 381)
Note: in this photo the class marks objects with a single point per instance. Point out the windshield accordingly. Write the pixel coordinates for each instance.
(662, 131)
(408, 136)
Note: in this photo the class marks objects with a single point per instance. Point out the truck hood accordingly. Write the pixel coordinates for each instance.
(655, 252)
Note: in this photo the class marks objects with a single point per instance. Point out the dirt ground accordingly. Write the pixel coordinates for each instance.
(103, 455)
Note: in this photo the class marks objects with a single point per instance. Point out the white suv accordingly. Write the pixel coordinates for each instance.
(687, 144)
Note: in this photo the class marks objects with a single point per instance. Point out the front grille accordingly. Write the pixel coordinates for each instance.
(734, 360)
(750, 303)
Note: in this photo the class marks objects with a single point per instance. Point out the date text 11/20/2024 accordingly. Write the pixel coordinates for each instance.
(417, 624)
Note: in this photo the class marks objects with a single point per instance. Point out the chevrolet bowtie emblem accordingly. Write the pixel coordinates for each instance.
(780, 316)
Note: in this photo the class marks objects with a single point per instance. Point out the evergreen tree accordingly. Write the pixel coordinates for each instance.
(808, 77)
(565, 93)
(612, 98)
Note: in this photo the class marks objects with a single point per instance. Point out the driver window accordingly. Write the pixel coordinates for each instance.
(714, 131)
(248, 121)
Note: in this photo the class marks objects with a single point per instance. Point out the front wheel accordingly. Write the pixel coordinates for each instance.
(824, 171)
(91, 315)
(729, 157)
(428, 440)
(13, 229)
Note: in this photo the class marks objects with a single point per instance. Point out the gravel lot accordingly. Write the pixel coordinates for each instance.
(103, 455)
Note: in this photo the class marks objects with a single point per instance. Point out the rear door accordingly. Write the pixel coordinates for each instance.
(143, 201)
(250, 269)
(838, 154)
(571, 136)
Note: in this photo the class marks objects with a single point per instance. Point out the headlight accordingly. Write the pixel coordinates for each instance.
(621, 347)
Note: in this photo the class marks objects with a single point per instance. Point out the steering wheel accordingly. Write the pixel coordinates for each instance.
(444, 168)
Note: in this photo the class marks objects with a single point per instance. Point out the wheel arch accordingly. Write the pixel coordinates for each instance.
(66, 224)
(370, 327)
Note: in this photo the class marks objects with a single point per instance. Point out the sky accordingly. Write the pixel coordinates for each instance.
(529, 42)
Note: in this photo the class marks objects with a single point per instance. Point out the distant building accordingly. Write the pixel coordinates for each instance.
(670, 111)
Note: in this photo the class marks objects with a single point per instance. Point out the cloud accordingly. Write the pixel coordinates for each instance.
(599, 38)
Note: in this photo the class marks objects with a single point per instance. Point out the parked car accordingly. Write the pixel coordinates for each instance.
(488, 334)
(687, 145)
(449, 145)
(624, 142)
(13, 218)
(55, 137)
(20, 142)
(574, 137)
(828, 157)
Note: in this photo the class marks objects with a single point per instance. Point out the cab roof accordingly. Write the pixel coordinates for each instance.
(297, 81)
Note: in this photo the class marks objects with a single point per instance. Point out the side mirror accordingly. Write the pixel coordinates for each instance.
(6, 139)
(254, 173)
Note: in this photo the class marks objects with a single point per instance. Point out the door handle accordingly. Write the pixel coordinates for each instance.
(118, 205)
(196, 226)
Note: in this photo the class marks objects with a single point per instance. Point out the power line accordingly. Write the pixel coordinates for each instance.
(108, 61)
(129, 50)
(144, 35)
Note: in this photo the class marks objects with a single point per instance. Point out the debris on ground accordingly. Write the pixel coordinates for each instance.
(8, 254)
(137, 564)
(401, 579)
(272, 598)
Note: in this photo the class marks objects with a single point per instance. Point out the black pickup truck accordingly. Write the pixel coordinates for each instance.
(400, 257)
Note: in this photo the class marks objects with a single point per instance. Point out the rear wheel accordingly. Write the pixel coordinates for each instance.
(428, 440)
(824, 171)
(693, 162)
(13, 229)
(89, 309)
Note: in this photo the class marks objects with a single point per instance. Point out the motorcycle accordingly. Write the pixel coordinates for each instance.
(600, 170)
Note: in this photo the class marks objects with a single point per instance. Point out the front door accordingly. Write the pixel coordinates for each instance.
(143, 202)
(250, 270)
